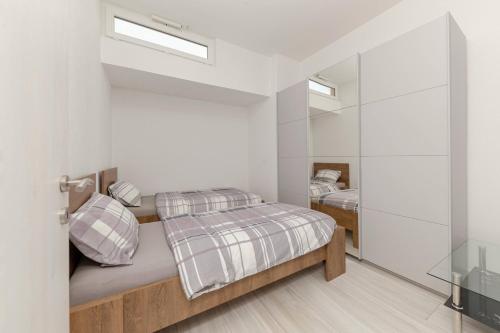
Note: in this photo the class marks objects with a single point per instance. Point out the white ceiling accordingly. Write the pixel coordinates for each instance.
(294, 28)
(345, 71)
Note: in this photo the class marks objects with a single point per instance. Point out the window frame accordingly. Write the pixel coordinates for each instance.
(136, 18)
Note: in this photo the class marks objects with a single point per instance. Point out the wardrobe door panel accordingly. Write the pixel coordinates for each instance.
(458, 135)
(412, 186)
(405, 246)
(413, 146)
(292, 103)
(414, 124)
(415, 61)
(293, 176)
(292, 139)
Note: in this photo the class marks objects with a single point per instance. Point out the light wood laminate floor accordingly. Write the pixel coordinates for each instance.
(365, 299)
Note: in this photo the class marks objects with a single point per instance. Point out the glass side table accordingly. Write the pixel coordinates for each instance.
(473, 270)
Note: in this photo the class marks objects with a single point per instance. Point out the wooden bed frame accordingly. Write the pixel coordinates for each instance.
(347, 219)
(152, 307)
(110, 176)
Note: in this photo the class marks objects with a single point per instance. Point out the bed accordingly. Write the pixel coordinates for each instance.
(342, 206)
(167, 204)
(148, 295)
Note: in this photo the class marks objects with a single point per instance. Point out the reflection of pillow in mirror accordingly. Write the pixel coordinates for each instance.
(328, 175)
(317, 187)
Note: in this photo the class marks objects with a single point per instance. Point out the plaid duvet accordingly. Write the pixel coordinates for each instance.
(214, 249)
(170, 204)
(345, 199)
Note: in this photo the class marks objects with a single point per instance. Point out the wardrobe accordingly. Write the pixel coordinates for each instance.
(293, 145)
(413, 133)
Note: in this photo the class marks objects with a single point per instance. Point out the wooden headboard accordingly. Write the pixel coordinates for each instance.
(342, 167)
(76, 200)
(107, 177)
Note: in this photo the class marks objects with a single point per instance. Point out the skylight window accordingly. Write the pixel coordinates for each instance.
(160, 38)
(158, 33)
(321, 88)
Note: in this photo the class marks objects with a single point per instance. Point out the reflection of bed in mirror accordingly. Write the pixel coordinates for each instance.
(340, 205)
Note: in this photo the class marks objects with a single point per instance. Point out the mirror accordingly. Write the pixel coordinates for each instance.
(334, 146)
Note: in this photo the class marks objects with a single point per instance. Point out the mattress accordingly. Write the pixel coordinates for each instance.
(345, 199)
(147, 207)
(152, 262)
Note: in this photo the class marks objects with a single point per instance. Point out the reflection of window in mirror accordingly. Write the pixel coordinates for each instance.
(322, 88)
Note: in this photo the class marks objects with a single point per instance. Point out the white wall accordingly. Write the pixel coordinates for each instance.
(89, 93)
(263, 139)
(287, 72)
(236, 68)
(263, 163)
(480, 24)
(163, 143)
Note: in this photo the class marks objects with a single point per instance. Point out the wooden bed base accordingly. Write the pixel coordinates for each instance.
(152, 307)
(345, 218)
(147, 219)
(158, 305)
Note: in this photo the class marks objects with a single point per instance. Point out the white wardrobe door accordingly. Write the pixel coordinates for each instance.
(415, 61)
(414, 124)
(458, 133)
(293, 175)
(411, 186)
(292, 139)
(405, 246)
(292, 103)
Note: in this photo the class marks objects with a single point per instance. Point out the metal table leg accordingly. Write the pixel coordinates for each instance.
(456, 303)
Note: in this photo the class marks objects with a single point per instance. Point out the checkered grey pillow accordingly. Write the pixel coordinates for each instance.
(105, 231)
(318, 188)
(328, 175)
(126, 193)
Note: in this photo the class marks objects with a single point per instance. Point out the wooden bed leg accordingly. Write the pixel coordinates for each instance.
(355, 235)
(335, 255)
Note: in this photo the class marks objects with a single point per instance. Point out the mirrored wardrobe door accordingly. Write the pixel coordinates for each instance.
(334, 146)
